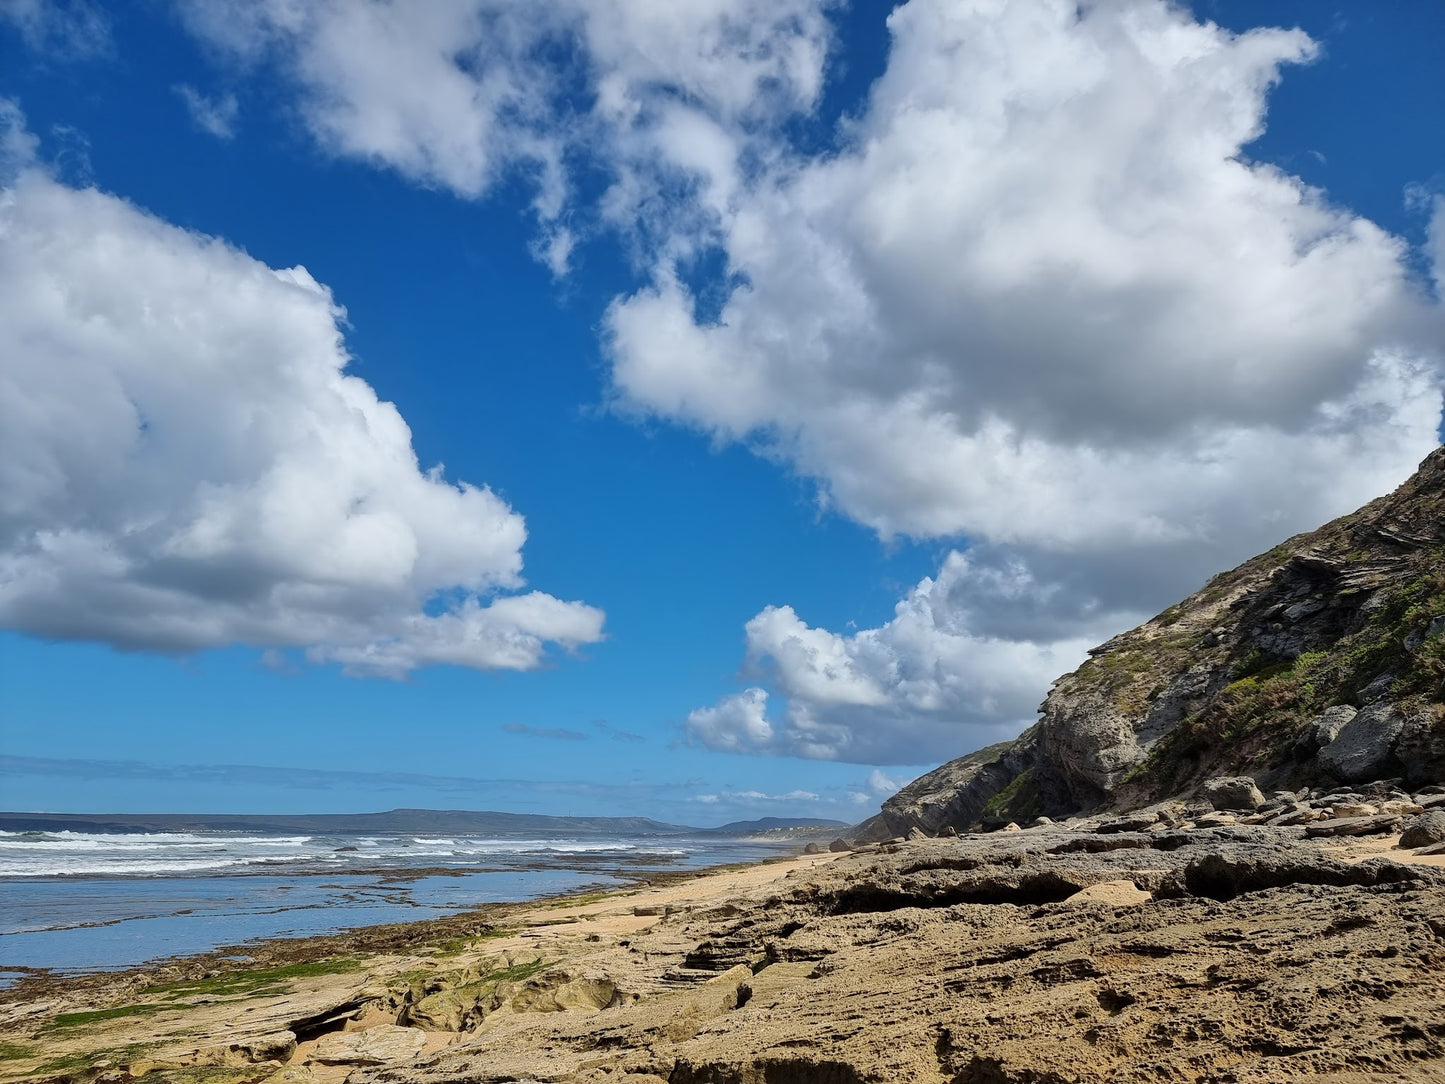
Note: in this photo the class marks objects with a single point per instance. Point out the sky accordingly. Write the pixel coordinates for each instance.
(700, 411)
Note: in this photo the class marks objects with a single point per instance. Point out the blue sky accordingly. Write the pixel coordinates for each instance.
(807, 384)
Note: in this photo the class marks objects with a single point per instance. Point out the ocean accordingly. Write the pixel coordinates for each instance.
(77, 901)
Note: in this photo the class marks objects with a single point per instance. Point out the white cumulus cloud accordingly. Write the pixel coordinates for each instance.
(1040, 299)
(954, 655)
(186, 462)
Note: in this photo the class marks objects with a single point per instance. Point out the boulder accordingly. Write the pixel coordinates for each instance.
(372, 1046)
(1364, 747)
(840, 845)
(1377, 689)
(1352, 826)
(1323, 729)
(813, 848)
(1235, 792)
(917, 833)
(1424, 831)
(1353, 809)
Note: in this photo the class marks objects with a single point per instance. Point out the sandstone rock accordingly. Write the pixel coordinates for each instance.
(373, 1046)
(1113, 893)
(838, 846)
(916, 833)
(1363, 749)
(1236, 792)
(273, 1046)
(446, 1010)
(1403, 806)
(1011, 827)
(948, 831)
(1352, 809)
(1424, 831)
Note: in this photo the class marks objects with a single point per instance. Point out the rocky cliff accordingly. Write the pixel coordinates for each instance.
(1318, 663)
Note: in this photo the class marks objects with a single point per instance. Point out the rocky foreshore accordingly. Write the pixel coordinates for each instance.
(1237, 938)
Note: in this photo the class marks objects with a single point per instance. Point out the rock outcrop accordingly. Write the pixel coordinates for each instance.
(1321, 662)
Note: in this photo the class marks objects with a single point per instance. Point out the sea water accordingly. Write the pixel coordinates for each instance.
(75, 901)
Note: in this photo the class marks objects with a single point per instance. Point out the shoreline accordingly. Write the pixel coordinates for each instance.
(376, 938)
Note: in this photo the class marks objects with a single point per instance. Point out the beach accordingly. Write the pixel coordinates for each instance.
(1236, 953)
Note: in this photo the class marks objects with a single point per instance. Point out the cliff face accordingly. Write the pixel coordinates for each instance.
(1321, 662)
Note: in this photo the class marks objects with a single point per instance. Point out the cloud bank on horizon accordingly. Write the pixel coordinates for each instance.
(1033, 300)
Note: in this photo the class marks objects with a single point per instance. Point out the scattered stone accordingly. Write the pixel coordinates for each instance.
(1424, 831)
(372, 1046)
(1011, 827)
(1237, 792)
(1041, 822)
(948, 831)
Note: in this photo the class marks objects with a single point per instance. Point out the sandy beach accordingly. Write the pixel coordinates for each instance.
(1058, 953)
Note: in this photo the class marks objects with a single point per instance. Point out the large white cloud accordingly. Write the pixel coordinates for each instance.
(186, 462)
(1042, 299)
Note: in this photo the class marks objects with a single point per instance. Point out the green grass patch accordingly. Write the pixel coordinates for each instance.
(258, 982)
(119, 1012)
(15, 1052)
(516, 973)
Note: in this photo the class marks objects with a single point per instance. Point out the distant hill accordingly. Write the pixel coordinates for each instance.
(406, 821)
(773, 825)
